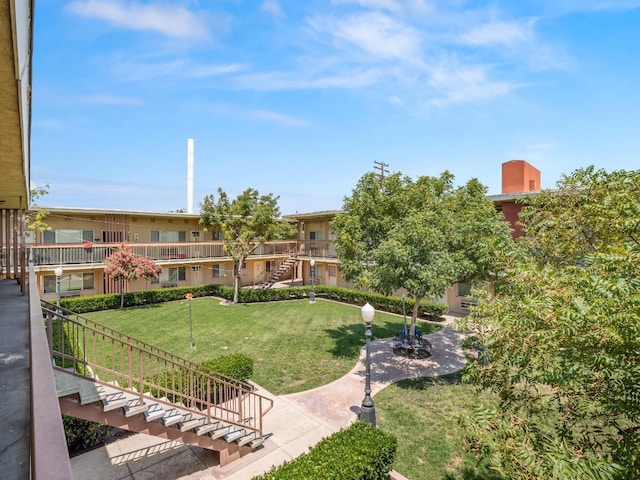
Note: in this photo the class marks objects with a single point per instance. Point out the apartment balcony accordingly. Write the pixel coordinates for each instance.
(184, 252)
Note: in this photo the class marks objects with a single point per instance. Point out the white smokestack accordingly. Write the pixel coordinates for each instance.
(190, 175)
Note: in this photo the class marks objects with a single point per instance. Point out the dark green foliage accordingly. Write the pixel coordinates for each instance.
(432, 310)
(83, 434)
(359, 452)
(562, 333)
(160, 295)
(427, 309)
(237, 366)
(227, 369)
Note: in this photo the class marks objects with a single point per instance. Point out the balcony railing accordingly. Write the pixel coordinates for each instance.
(47, 255)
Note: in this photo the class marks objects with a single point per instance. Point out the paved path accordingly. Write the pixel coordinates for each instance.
(298, 421)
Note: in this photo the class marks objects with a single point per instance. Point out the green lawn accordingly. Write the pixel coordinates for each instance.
(295, 345)
(423, 415)
(298, 346)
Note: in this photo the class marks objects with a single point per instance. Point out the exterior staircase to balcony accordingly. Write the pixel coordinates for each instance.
(106, 377)
(283, 268)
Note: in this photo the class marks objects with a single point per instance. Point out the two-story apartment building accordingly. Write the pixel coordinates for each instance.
(81, 239)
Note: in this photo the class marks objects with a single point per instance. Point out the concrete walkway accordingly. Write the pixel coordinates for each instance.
(297, 421)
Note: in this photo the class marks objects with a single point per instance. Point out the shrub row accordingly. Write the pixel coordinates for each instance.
(359, 452)
(356, 297)
(158, 295)
(381, 302)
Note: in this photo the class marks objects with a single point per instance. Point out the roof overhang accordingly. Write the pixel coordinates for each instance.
(16, 46)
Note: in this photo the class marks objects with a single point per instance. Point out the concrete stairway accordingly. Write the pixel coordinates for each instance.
(119, 407)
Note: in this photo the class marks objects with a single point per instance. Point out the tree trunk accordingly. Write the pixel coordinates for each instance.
(414, 317)
(122, 293)
(236, 279)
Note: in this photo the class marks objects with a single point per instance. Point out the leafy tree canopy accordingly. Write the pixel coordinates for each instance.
(246, 222)
(35, 217)
(420, 235)
(563, 336)
(123, 265)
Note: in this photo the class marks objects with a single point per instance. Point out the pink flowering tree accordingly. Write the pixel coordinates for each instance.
(123, 265)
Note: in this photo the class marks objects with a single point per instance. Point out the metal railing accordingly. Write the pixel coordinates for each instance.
(80, 346)
(181, 252)
(44, 255)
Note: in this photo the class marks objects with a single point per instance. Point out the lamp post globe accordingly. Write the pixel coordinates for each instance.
(312, 273)
(368, 409)
(58, 272)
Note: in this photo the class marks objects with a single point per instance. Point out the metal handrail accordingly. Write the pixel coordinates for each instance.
(85, 348)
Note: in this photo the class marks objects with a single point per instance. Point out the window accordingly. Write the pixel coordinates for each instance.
(167, 237)
(318, 274)
(464, 289)
(217, 236)
(315, 235)
(220, 270)
(67, 236)
(69, 282)
(172, 275)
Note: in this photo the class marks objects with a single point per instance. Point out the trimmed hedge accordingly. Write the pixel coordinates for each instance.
(251, 295)
(359, 452)
(236, 365)
(111, 301)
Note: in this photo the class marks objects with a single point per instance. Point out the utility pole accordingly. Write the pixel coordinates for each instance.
(381, 166)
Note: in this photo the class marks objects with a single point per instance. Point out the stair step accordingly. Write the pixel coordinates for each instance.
(259, 441)
(133, 407)
(171, 417)
(66, 384)
(114, 400)
(234, 435)
(220, 432)
(246, 438)
(90, 393)
(208, 428)
(189, 422)
(154, 412)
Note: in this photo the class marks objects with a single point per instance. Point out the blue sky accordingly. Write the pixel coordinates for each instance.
(300, 98)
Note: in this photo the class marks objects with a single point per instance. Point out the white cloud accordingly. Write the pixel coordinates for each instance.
(273, 8)
(498, 33)
(390, 5)
(133, 70)
(372, 33)
(171, 21)
(277, 118)
(594, 5)
(107, 99)
(353, 78)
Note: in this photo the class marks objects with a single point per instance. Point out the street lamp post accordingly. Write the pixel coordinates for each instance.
(312, 295)
(367, 409)
(189, 296)
(58, 272)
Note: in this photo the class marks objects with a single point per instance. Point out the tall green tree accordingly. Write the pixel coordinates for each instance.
(246, 222)
(420, 235)
(563, 336)
(35, 217)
